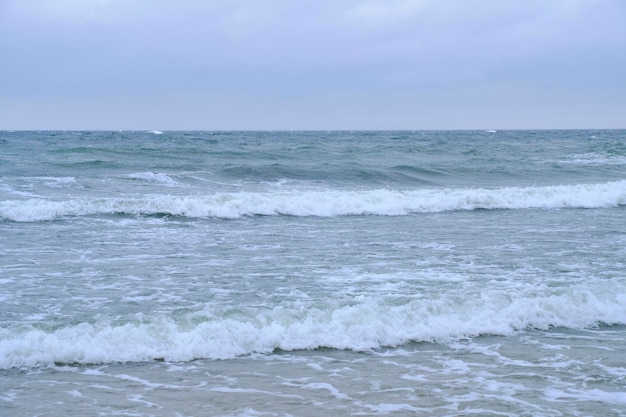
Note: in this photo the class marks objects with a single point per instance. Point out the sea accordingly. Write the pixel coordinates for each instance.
(313, 273)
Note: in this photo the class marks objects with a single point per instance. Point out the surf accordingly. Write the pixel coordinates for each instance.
(324, 203)
(215, 332)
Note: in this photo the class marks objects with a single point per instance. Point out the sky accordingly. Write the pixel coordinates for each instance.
(312, 64)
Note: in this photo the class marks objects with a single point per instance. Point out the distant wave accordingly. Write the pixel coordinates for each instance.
(368, 324)
(155, 177)
(592, 159)
(330, 203)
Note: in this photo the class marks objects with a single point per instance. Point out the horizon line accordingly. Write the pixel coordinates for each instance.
(311, 130)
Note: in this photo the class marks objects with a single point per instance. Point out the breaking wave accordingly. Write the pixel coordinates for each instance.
(368, 324)
(330, 203)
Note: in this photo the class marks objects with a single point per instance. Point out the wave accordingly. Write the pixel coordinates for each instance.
(154, 177)
(359, 326)
(327, 203)
(593, 159)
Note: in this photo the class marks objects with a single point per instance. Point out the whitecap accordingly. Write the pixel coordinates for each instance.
(367, 324)
(156, 177)
(329, 203)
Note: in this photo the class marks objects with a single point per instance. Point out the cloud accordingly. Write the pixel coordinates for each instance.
(283, 63)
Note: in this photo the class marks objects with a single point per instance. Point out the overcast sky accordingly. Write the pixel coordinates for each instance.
(324, 64)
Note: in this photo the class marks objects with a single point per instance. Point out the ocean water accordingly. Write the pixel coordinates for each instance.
(445, 273)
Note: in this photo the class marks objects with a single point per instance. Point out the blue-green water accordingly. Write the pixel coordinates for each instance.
(307, 273)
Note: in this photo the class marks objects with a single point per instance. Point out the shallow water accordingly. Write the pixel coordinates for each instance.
(553, 373)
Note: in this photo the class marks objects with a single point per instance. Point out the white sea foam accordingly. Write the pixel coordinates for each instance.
(156, 132)
(554, 394)
(370, 323)
(592, 159)
(326, 203)
(54, 181)
(155, 177)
